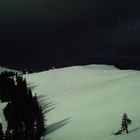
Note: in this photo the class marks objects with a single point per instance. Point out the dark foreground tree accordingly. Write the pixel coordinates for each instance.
(23, 113)
(1, 132)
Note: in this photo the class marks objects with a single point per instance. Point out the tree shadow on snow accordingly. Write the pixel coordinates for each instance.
(47, 107)
(31, 86)
(55, 126)
(135, 129)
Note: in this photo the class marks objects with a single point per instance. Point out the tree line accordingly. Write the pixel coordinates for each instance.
(23, 113)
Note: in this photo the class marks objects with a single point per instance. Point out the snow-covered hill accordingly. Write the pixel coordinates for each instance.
(88, 101)
(94, 99)
(6, 69)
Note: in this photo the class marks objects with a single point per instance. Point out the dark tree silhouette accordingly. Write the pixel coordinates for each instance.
(23, 113)
(1, 132)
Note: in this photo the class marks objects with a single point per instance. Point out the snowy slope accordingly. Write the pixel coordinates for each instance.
(6, 69)
(94, 98)
(2, 118)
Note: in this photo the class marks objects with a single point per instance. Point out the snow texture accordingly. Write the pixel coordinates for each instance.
(2, 69)
(94, 99)
(88, 101)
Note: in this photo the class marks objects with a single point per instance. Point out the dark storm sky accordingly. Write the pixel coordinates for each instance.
(39, 34)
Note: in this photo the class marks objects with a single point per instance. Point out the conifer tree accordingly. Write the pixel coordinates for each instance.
(1, 132)
(23, 113)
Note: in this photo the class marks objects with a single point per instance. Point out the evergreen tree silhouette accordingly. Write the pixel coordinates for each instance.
(23, 113)
(1, 132)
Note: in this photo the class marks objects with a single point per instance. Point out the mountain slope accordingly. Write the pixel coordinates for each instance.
(6, 69)
(94, 98)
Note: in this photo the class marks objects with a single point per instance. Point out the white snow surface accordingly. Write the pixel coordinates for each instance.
(94, 97)
(2, 118)
(6, 69)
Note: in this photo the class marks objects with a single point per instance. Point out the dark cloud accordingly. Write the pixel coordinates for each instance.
(42, 33)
